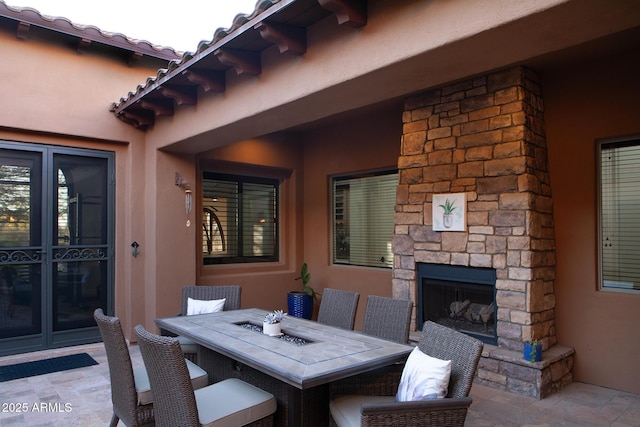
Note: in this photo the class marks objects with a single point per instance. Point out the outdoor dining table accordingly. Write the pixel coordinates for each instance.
(296, 367)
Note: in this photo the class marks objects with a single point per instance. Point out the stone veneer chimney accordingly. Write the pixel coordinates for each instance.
(486, 137)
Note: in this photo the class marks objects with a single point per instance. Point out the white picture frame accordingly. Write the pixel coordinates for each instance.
(449, 212)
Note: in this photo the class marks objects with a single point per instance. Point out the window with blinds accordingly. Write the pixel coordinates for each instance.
(363, 210)
(239, 219)
(620, 215)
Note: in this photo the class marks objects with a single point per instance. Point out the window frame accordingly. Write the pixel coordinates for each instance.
(332, 208)
(242, 179)
(614, 142)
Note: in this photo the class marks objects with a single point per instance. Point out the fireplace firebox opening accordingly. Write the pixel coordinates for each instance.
(459, 297)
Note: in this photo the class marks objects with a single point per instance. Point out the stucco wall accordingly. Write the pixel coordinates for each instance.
(50, 87)
(309, 158)
(583, 103)
(52, 94)
(407, 46)
(369, 142)
(264, 285)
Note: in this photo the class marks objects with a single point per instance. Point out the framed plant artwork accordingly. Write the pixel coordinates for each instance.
(449, 212)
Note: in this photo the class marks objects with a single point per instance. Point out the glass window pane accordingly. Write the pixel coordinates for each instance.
(620, 214)
(258, 203)
(20, 295)
(19, 197)
(220, 209)
(80, 239)
(239, 219)
(20, 240)
(363, 210)
(81, 194)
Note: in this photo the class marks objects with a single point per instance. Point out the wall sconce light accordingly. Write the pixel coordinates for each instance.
(188, 201)
(188, 194)
(135, 247)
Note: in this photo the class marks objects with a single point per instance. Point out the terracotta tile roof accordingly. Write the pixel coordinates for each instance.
(27, 16)
(280, 22)
(188, 58)
(273, 22)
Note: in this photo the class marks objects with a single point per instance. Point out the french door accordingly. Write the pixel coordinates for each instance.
(56, 245)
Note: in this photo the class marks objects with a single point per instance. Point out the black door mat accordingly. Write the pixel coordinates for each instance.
(46, 366)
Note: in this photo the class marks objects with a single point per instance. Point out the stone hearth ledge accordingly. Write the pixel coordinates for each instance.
(508, 370)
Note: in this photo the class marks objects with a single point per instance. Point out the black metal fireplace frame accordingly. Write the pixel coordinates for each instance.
(455, 273)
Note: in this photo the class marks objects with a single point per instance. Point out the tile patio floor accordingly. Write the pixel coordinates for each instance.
(87, 393)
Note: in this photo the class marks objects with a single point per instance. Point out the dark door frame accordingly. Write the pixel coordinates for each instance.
(49, 254)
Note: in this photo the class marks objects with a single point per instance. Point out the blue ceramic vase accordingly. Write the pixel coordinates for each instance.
(300, 304)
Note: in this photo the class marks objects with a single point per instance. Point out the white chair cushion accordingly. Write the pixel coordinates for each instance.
(199, 379)
(345, 410)
(197, 306)
(187, 345)
(232, 403)
(423, 377)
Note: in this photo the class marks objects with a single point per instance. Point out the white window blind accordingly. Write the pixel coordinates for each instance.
(363, 210)
(620, 214)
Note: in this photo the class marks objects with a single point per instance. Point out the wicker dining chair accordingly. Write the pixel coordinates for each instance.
(388, 318)
(230, 402)
(131, 394)
(371, 398)
(338, 308)
(231, 294)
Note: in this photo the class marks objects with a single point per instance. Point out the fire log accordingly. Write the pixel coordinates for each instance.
(458, 308)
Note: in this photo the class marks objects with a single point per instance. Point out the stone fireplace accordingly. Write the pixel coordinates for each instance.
(485, 137)
(459, 297)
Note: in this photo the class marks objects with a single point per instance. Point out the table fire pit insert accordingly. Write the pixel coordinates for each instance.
(284, 337)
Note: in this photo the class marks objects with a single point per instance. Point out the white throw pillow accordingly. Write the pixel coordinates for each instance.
(423, 377)
(196, 306)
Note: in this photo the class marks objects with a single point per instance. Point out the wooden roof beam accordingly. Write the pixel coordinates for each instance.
(83, 45)
(243, 61)
(133, 58)
(288, 38)
(22, 32)
(183, 95)
(159, 106)
(141, 119)
(350, 12)
(209, 81)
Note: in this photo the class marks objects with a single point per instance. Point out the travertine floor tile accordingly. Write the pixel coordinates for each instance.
(82, 397)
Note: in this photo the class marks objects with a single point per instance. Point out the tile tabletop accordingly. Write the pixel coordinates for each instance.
(328, 353)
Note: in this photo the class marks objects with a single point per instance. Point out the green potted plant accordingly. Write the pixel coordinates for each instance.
(532, 351)
(300, 302)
